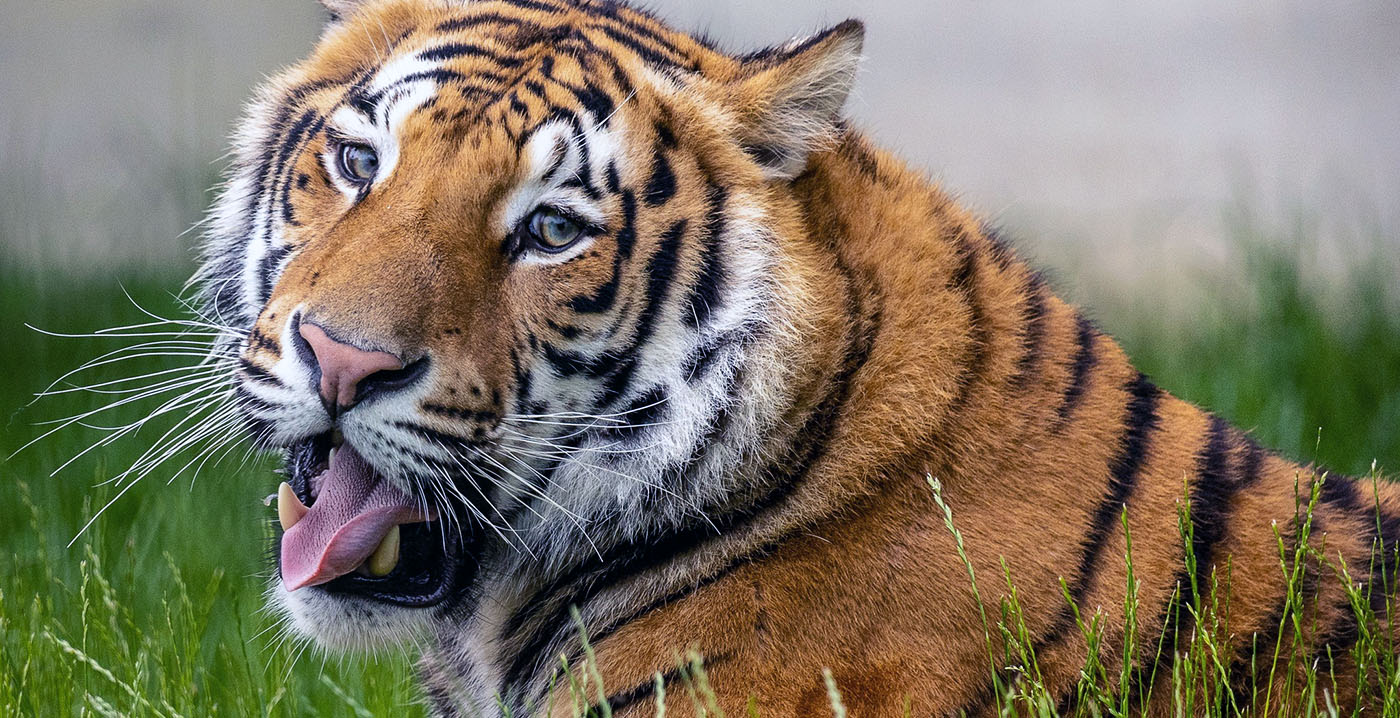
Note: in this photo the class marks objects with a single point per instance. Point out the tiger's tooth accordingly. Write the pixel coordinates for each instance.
(290, 509)
(330, 457)
(386, 555)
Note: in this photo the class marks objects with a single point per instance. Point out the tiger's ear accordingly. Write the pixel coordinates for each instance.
(789, 98)
(341, 9)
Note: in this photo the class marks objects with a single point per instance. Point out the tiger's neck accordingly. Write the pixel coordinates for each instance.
(872, 254)
(961, 320)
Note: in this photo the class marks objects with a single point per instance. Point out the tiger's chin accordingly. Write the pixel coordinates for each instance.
(342, 623)
(391, 597)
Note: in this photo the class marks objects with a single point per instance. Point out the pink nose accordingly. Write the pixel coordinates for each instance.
(343, 366)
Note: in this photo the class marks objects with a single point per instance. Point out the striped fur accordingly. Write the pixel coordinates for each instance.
(778, 331)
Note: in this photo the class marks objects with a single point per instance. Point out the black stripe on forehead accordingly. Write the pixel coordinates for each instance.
(534, 5)
(641, 34)
(456, 50)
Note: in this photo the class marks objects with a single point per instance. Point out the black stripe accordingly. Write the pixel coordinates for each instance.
(1084, 360)
(268, 268)
(1384, 564)
(485, 18)
(602, 299)
(680, 477)
(1337, 491)
(1001, 251)
(442, 703)
(698, 364)
(648, 409)
(535, 5)
(1388, 535)
(567, 363)
(275, 172)
(1211, 494)
(1253, 458)
(257, 374)
(557, 154)
(705, 295)
(439, 75)
(617, 12)
(454, 50)
(523, 381)
(1140, 422)
(611, 178)
(583, 178)
(665, 135)
(1335, 643)
(650, 55)
(661, 187)
(260, 342)
(446, 441)
(464, 413)
(517, 106)
(1033, 337)
(661, 269)
(594, 99)
(964, 282)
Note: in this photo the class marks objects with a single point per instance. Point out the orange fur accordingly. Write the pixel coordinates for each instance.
(936, 351)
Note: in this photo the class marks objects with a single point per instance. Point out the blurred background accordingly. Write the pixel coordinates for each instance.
(1218, 182)
(1111, 129)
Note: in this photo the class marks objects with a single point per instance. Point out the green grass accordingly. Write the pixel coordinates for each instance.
(157, 609)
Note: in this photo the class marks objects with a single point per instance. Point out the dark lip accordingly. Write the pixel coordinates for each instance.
(430, 567)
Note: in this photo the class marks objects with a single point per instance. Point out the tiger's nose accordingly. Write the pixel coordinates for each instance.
(349, 373)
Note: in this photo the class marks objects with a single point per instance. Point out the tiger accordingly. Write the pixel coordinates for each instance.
(589, 342)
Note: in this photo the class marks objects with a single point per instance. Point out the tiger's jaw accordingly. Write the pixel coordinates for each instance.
(361, 565)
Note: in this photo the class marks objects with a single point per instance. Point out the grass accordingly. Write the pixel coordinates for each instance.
(156, 610)
(1283, 681)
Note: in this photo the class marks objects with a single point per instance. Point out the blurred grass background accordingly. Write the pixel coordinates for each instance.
(1218, 186)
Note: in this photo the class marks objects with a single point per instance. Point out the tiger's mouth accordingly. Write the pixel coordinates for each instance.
(348, 530)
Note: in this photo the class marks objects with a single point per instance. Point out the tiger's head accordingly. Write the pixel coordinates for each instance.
(511, 280)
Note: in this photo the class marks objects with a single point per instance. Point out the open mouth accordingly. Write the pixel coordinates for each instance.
(347, 529)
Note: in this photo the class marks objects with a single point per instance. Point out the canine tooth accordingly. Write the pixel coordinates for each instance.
(290, 509)
(386, 555)
(331, 456)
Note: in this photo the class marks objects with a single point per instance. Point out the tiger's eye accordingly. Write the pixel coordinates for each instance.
(552, 230)
(359, 163)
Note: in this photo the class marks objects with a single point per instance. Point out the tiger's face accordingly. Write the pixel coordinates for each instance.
(502, 273)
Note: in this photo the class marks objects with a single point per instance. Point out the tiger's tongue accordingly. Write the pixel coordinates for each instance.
(353, 511)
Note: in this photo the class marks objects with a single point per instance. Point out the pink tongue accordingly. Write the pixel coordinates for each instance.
(353, 511)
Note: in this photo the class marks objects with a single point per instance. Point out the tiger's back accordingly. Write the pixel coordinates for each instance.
(662, 350)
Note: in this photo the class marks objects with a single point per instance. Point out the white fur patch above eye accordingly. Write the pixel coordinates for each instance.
(555, 176)
(402, 86)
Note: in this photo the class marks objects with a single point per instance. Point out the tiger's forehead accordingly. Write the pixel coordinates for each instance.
(511, 63)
